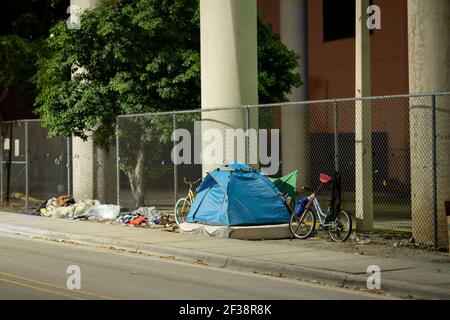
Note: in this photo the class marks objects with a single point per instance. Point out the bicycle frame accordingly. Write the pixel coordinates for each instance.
(336, 229)
(320, 214)
(190, 197)
(324, 179)
(186, 202)
(191, 194)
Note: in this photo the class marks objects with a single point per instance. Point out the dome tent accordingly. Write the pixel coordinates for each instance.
(237, 195)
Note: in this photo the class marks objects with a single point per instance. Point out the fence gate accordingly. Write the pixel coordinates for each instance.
(14, 163)
(34, 166)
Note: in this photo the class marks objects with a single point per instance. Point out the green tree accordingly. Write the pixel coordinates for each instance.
(136, 57)
(16, 54)
(276, 66)
(24, 25)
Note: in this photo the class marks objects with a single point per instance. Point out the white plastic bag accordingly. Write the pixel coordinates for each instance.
(103, 212)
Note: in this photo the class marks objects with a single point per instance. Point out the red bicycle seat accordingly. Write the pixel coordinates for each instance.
(325, 178)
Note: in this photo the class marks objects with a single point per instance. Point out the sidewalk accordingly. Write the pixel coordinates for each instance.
(296, 259)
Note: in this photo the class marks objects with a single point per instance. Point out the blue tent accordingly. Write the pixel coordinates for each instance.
(237, 195)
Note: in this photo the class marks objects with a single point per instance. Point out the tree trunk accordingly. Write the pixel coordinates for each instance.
(4, 94)
(136, 178)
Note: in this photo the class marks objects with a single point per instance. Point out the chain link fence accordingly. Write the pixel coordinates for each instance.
(408, 170)
(146, 172)
(441, 190)
(34, 166)
(409, 174)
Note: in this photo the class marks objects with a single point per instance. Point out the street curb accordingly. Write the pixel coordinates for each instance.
(341, 279)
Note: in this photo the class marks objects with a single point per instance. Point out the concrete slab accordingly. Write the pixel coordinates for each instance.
(280, 231)
(261, 232)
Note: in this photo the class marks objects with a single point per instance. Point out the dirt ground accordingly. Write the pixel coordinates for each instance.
(389, 246)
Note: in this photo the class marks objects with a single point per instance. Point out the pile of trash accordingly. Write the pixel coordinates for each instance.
(66, 207)
(141, 216)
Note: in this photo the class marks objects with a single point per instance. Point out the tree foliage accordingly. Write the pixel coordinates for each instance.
(16, 55)
(138, 56)
(135, 57)
(127, 57)
(277, 66)
(24, 25)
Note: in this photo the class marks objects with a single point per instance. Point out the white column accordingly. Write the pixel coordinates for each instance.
(294, 119)
(83, 168)
(429, 71)
(91, 166)
(85, 4)
(363, 123)
(228, 64)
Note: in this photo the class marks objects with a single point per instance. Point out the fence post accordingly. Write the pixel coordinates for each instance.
(175, 168)
(26, 165)
(434, 168)
(1, 159)
(336, 135)
(117, 163)
(69, 167)
(247, 137)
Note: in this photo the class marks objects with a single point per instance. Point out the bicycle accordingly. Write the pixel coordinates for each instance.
(183, 205)
(303, 225)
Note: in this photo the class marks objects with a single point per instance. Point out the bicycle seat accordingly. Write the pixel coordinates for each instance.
(324, 178)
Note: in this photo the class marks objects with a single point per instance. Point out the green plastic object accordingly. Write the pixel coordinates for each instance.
(287, 184)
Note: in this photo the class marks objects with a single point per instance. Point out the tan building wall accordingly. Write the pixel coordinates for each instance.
(332, 63)
(331, 74)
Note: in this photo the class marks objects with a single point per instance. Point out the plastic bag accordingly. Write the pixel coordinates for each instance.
(300, 205)
(103, 212)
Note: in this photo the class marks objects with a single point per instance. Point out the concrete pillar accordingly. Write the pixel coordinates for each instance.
(85, 4)
(92, 167)
(363, 123)
(294, 119)
(429, 71)
(93, 171)
(83, 168)
(229, 68)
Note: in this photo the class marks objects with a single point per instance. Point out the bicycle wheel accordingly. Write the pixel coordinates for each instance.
(342, 227)
(181, 211)
(302, 229)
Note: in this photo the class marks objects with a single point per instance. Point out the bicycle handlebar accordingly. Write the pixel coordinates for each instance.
(317, 189)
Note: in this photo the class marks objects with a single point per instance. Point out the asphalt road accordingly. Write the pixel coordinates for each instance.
(37, 269)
